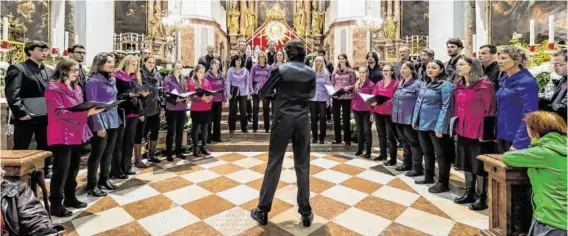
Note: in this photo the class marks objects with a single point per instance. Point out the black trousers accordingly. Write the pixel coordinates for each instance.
(102, 149)
(199, 124)
(386, 132)
(214, 128)
(176, 121)
(23, 133)
(433, 149)
(265, 112)
(249, 109)
(411, 146)
(150, 125)
(123, 148)
(503, 146)
(363, 126)
(240, 104)
(66, 160)
(286, 128)
(318, 111)
(342, 115)
(475, 175)
(328, 113)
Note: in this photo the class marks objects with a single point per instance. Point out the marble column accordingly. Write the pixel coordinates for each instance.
(469, 26)
(242, 18)
(308, 25)
(57, 32)
(389, 8)
(70, 20)
(397, 18)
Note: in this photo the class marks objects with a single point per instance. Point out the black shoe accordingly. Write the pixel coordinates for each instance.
(231, 133)
(170, 159)
(96, 192)
(267, 131)
(107, 185)
(205, 151)
(366, 156)
(74, 203)
(321, 142)
(390, 163)
(425, 181)
(244, 131)
(48, 174)
(209, 141)
(404, 167)
(259, 216)
(254, 131)
(359, 153)
(152, 158)
(479, 204)
(180, 156)
(196, 152)
(468, 197)
(120, 177)
(336, 142)
(347, 144)
(131, 173)
(414, 173)
(60, 211)
(314, 140)
(439, 188)
(307, 220)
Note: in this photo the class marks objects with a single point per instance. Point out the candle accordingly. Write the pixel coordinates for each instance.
(531, 32)
(5, 28)
(66, 40)
(53, 43)
(474, 45)
(76, 38)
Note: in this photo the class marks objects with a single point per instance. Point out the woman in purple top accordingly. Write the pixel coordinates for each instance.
(101, 87)
(343, 78)
(66, 132)
(362, 113)
(320, 101)
(238, 89)
(176, 108)
(217, 81)
(259, 74)
(131, 111)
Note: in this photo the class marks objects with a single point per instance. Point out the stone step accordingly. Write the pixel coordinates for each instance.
(225, 125)
(262, 146)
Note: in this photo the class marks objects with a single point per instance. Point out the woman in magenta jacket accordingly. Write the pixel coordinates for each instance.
(474, 100)
(382, 115)
(200, 110)
(342, 78)
(362, 113)
(66, 132)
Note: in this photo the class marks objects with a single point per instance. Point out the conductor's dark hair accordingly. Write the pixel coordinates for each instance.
(492, 48)
(31, 45)
(296, 50)
(236, 57)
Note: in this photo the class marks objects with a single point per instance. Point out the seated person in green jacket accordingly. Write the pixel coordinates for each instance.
(546, 163)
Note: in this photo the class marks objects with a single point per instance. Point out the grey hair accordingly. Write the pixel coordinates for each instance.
(515, 53)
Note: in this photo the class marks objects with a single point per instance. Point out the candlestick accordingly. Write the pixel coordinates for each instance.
(66, 40)
(551, 29)
(474, 45)
(5, 28)
(531, 32)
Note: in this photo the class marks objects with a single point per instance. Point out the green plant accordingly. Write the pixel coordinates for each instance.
(542, 80)
(164, 71)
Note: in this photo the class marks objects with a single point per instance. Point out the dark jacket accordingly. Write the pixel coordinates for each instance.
(375, 74)
(451, 67)
(270, 57)
(493, 73)
(151, 81)
(206, 61)
(25, 80)
(82, 80)
(558, 101)
(23, 213)
(125, 84)
(295, 85)
(247, 61)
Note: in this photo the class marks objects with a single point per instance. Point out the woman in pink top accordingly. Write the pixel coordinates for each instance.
(382, 115)
(362, 113)
(66, 132)
(200, 110)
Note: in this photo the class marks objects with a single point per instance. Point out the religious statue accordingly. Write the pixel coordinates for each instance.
(233, 18)
(250, 17)
(389, 28)
(299, 19)
(317, 22)
(156, 26)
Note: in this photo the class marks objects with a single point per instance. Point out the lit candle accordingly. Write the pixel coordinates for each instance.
(53, 44)
(5, 28)
(551, 29)
(531, 32)
(76, 38)
(66, 40)
(474, 45)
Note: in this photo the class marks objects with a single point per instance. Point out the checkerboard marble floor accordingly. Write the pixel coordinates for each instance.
(214, 196)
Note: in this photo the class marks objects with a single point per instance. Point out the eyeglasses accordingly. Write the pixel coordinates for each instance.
(74, 70)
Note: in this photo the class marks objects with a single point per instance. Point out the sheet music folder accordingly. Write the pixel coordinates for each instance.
(334, 92)
(85, 106)
(379, 99)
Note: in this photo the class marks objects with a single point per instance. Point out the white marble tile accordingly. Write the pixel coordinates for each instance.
(362, 222)
(248, 162)
(187, 194)
(291, 221)
(156, 176)
(134, 194)
(365, 164)
(288, 176)
(318, 154)
(200, 176)
(324, 163)
(287, 163)
(425, 222)
(332, 176)
(176, 162)
(244, 176)
(102, 221)
(231, 222)
(212, 164)
(289, 194)
(396, 195)
(239, 195)
(249, 154)
(168, 221)
(375, 176)
(461, 213)
(218, 154)
(345, 195)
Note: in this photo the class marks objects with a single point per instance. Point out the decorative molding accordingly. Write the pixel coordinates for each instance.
(208, 22)
(338, 23)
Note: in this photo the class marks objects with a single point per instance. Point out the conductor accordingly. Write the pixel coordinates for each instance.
(290, 86)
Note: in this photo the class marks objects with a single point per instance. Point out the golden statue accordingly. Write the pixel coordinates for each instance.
(317, 22)
(250, 18)
(156, 26)
(274, 13)
(299, 19)
(233, 19)
(389, 28)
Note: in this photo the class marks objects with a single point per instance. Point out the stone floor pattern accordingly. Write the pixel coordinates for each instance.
(214, 196)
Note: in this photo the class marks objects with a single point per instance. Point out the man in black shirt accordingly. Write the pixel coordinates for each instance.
(454, 46)
(290, 86)
(271, 52)
(490, 67)
(77, 53)
(25, 91)
(206, 60)
(404, 55)
(426, 56)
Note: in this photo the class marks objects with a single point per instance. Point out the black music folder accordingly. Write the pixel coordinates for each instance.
(379, 99)
(85, 106)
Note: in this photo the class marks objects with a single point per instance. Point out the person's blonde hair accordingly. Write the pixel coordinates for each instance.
(540, 123)
(323, 68)
(359, 83)
(126, 61)
(516, 53)
(262, 54)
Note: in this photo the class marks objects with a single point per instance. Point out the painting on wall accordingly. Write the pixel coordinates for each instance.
(415, 18)
(130, 16)
(31, 16)
(508, 17)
